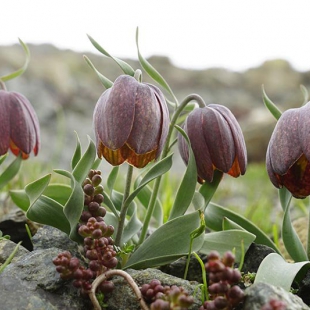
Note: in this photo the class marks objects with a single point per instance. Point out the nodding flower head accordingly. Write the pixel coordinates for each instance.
(19, 125)
(288, 152)
(216, 140)
(131, 121)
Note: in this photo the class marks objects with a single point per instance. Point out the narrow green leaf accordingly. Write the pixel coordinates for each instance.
(74, 206)
(127, 69)
(3, 158)
(47, 211)
(132, 227)
(77, 153)
(10, 172)
(187, 187)
(108, 202)
(157, 170)
(276, 271)
(86, 162)
(305, 94)
(144, 197)
(207, 190)
(9, 259)
(229, 224)
(35, 189)
(23, 68)
(104, 81)
(112, 178)
(58, 192)
(290, 238)
(270, 105)
(215, 214)
(167, 243)
(227, 240)
(20, 199)
(152, 72)
(198, 201)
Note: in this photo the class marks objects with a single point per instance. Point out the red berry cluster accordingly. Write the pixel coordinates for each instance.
(275, 304)
(166, 297)
(222, 277)
(98, 244)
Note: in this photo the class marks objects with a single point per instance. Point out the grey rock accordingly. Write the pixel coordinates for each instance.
(123, 298)
(254, 256)
(7, 247)
(47, 237)
(259, 294)
(177, 268)
(33, 283)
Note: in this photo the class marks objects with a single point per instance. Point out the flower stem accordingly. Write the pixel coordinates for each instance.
(124, 207)
(151, 206)
(109, 274)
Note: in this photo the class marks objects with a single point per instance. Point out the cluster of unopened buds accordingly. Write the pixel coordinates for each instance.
(98, 244)
(222, 277)
(275, 304)
(165, 297)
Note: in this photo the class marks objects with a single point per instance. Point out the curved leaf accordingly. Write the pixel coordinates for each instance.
(187, 187)
(109, 203)
(151, 71)
(127, 69)
(276, 271)
(208, 189)
(132, 227)
(157, 170)
(48, 212)
(20, 199)
(228, 240)
(58, 192)
(112, 178)
(290, 238)
(167, 243)
(77, 153)
(86, 162)
(273, 109)
(35, 189)
(74, 206)
(23, 68)
(104, 81)
(3, 158)
(215, 214)
(10, 172)
(144, 197)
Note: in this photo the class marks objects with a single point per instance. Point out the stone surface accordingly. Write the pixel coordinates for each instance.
(123, 297)
(260, 294)
(33, 283)
(7, 247)
(254, 256)
(177, 268)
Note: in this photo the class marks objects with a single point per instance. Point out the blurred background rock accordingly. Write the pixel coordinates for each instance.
(64, 90)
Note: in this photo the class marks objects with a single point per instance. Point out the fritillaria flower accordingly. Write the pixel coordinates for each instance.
(19, 125)
(216, 140)
(131, 122)
(288, 152)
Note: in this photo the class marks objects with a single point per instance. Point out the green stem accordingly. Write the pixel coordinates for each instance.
(124, 207)
(151, 206)
(308, 240)
(204, 277)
